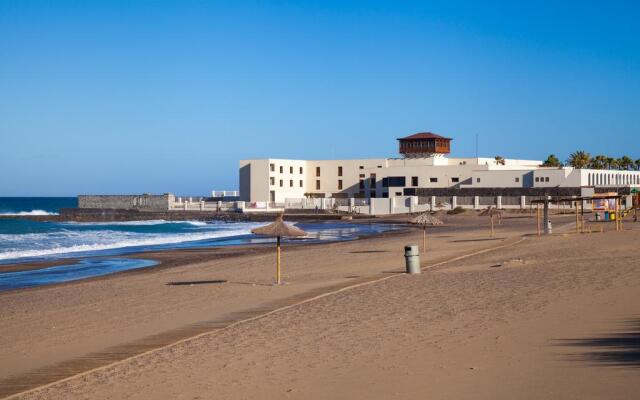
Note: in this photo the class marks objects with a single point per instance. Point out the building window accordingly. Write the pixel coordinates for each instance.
(291, 170)
(272, 181)
(317, 171)
(433, 180)
(398, 193)
(477, 180)
(379, 166)
(372, 184)
(537, 179)
(272, 167)
(361, 176)
(414, 181)
(361, 167)
(339, 184)
(455, 180)
(281, 169)
(517, 179)
(281, 183)
(339, 171)
(546, 179)
(300, 182)
(394, 181)
(291, 183)
(361, 185)
(317, 185)
(300, 169)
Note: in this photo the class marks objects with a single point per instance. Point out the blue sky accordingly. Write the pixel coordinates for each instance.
(115, 97)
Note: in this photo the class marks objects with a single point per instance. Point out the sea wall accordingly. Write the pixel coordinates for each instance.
(111, 214)
(127, 202)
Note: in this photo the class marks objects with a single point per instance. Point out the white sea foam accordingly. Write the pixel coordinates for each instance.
(67, 242)
(32, 212)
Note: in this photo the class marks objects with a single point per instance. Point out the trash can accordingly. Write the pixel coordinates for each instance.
(412, 259)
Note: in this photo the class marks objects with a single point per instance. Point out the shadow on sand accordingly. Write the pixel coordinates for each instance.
(368, 251)
(619, 349)
(216, 281)
(188, 283)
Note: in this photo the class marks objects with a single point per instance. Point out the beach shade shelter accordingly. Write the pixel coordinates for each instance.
(424, 220)
(278, 229)
(492, 212)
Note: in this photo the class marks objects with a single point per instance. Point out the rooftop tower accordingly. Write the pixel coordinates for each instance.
(424, 144)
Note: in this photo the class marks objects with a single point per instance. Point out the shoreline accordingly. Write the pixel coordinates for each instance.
(170, 258)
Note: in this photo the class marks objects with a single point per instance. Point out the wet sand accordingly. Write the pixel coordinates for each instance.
(490, 326)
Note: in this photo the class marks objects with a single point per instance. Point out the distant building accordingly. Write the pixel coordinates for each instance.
(423, 170)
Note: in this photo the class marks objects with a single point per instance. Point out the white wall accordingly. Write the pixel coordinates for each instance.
(498, 178)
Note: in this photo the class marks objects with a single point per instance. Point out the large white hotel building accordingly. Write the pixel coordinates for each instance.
(423, 170)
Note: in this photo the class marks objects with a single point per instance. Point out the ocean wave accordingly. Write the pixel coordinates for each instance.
(120, 242)
(32, 212)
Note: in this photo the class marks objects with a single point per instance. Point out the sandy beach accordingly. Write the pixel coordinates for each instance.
(515, 316)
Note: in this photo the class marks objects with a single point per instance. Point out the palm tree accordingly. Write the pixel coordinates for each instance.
(579, 159)
(599, 162)
(638, 164)
(615, 164)
(610, 162)
(500, 160)
(626, 162)
(552, 161)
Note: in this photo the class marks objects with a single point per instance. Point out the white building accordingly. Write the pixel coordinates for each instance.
(423, 167)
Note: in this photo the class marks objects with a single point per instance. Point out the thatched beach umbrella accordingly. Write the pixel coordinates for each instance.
(278, 229)
(425, 220)
(492, 212)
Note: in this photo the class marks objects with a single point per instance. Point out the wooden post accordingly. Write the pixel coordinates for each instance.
(575, 204)
(424, 238)
(278, 261)
(621, 214)
(617, 217)
(538, 217)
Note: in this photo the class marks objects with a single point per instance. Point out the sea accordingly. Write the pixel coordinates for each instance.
(99, 248)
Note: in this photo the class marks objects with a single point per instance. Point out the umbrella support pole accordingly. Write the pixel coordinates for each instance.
(278, 261)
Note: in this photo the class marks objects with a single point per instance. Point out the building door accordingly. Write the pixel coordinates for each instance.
(272, 196)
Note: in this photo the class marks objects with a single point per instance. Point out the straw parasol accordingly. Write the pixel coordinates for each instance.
(492, 212)
(425, 220)
(278, 229)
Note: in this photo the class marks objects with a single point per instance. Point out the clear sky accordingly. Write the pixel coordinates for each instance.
(159, 96)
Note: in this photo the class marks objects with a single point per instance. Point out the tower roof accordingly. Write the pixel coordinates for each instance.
(424, 135)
